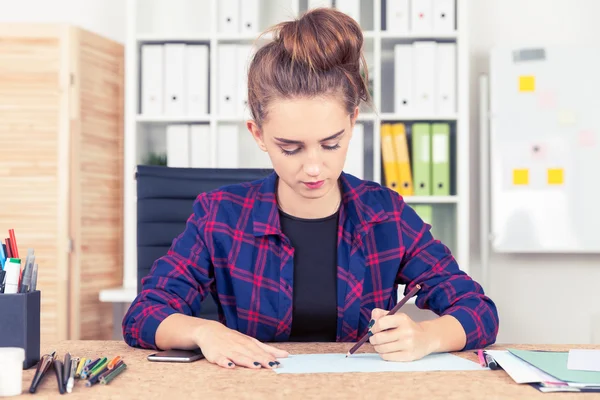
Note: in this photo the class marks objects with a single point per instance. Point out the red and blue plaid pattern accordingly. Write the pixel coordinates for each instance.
(233, 248)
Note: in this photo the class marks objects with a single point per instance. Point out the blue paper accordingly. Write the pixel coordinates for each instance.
(336, 363)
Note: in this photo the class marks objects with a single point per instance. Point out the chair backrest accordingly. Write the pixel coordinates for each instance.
(165, 197)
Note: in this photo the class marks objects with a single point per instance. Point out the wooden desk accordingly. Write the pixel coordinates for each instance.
(169, 381)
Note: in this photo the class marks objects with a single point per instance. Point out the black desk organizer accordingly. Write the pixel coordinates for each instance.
(20, 324)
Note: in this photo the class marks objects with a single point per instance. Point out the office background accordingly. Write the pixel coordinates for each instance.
(541, 298)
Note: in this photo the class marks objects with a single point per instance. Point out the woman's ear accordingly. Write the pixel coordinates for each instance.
(354, 116)
(256, 134)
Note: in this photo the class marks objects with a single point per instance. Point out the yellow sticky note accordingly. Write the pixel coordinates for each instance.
(526, 83)
(521, 177)
(555, 176)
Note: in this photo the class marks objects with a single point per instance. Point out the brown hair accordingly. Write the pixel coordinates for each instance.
(320, 53)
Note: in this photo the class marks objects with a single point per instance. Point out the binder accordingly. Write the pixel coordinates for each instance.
(355, 156)
(197, 80)
(405, 181)
(228, 146)
(388, 156)
(350, 8)
(397, 16)
(244, 53)
(440, 159)
(228, 16)
(200, 146)
(403, 78)
(444, 16)
(445, 90)
(421, 152)
(175, 79)
(249, 16)
(227, 90)
(424, 77)
(319, 3)
(152, 76)
(178, 149)
(421, 12)
(425, 212)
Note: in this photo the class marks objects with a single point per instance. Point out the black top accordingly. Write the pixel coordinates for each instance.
(314, 311)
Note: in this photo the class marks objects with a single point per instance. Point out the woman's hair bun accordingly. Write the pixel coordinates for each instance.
(322, 39)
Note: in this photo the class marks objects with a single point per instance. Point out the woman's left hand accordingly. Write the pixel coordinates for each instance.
(398, 338)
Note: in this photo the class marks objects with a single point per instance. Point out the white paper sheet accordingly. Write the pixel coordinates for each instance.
(584, 360)
(519, 370)
(327, 363)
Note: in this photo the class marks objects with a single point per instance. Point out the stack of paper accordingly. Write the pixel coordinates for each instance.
(546, 370)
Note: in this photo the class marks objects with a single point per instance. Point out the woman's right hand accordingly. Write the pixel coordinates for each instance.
(229, 348)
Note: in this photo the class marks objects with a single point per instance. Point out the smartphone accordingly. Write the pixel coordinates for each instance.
(176, 355)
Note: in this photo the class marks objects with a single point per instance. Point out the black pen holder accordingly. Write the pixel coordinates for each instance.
(20, 324)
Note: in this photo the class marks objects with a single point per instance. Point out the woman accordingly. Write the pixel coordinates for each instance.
(309, 253)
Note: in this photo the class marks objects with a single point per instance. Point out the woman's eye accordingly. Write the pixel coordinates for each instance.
(333, 147)
(289, 151)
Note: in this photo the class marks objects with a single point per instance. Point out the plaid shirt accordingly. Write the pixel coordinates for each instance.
(233, 248)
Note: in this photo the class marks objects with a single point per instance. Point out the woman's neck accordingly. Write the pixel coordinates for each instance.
(301, 207)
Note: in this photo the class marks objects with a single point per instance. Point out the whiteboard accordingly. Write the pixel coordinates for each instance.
(545, 150)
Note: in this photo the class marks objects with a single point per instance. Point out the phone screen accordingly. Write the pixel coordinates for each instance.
(176, 355)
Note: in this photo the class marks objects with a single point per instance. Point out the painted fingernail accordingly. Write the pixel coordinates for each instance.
(230, 364)
(277, 362)
(256, 363)
(370, 333)
(371, 323)
(271, 363)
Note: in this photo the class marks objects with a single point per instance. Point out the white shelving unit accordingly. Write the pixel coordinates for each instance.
(196, 21)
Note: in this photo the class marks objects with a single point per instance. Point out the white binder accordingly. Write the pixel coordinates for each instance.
(355, 157)
(445, 91)
(152, 79)
(228, 16)
(227, 90)
(200, 146)
(424, 77)
(178, 149)
(350, 8)
(397, 16)
(228, 146)
(243, 57)
(175, 80)
(249, 16)
(197, 80)
(444, 16)
(319, 3)
(421, 12)
(403, 78)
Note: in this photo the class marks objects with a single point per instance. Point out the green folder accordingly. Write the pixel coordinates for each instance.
(421, 156)
(440, 159)
(554, 363)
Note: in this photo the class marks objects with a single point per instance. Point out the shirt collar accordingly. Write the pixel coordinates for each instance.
(359, 206)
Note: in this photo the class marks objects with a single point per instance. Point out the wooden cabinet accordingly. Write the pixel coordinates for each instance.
(61, 168)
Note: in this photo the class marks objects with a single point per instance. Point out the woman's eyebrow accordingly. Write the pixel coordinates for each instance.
(290, 141)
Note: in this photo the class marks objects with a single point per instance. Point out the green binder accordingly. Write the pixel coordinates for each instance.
(440, 159)
(421, 155)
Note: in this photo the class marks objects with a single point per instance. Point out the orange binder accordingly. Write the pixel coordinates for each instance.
(405, 181)
(388, 156)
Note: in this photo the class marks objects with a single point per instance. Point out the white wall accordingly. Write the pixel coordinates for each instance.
(541, 299)
(105, 17)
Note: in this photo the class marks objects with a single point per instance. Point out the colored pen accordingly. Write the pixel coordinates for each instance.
(481, 358)
(105, 380)
(8, 248)
(114, 362)
(2, 255)
(13, 242)
(82, 363)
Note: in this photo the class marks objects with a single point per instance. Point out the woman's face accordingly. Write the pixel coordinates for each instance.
(307, 141)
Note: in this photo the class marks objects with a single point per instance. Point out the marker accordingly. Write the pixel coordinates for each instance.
(13, 272)
(481, 358)
(491, 362)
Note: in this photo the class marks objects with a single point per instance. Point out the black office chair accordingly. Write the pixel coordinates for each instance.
(164, 203)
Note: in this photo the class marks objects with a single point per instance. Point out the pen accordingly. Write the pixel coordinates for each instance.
(13, 243)
(2, 255)
(41, 370)
(72, 372)
(491, 363)
(8, 248)
(367, 335)
(66, 368)
(58, 371)
(34, 275)
(12, 269)
(105, 380)
(481, 358)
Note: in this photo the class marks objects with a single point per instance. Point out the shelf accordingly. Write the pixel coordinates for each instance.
(235, 37)
(431, 199)
(188, 38)
(403, 117)
(418, 36)
(169, 119)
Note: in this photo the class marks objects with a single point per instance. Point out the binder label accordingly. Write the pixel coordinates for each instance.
(425, 148)
(440, 149)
